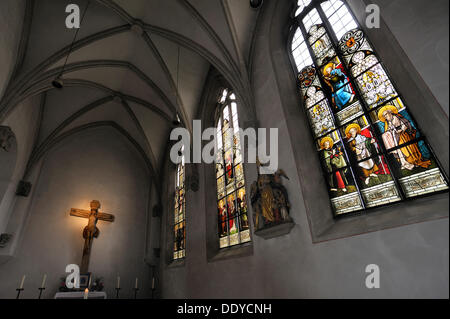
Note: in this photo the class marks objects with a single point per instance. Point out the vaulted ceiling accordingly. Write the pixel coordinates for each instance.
(135, 64)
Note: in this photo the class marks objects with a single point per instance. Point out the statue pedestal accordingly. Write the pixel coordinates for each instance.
(275, 231)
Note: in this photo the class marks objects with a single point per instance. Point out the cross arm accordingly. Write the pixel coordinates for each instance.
(79, 213)
(105, 217)
(85, 214)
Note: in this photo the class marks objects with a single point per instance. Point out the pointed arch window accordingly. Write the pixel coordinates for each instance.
(233, 225)
(370, 147)
(179, 249)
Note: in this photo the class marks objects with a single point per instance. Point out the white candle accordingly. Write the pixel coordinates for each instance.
(153, 283)
(43, 281)
(118, 282)
(86, 293)
(136, 285)
(89, 284)
(21, 283)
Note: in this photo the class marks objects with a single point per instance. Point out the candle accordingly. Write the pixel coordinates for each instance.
(21, 283)
(43, 281)
(118, 282)
(89, 284)
(136, 285)
(86, 293)
(153, 283)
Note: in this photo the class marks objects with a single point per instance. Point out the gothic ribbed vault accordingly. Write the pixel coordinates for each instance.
(135, 64)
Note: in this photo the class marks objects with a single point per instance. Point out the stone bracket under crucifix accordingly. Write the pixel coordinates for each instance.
(90, 231)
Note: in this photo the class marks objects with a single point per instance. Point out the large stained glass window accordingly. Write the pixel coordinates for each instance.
(233, 225)
(370, 147)
(179, 244)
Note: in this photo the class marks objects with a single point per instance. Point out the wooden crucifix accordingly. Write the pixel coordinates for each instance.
(90, 231)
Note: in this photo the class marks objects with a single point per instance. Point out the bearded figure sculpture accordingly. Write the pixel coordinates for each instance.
(269, 199)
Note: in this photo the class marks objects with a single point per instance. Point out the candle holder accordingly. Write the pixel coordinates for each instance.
(40, 292)
(135, 292)
(19, 290)
(117, 292)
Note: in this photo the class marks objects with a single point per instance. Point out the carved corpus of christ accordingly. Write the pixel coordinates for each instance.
(90, 231)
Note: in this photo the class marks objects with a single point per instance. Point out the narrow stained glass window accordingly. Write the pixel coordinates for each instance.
(370, 147)
(180, 214)
(233, 225)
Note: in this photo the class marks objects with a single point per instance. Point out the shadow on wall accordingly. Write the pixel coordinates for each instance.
(8, 157)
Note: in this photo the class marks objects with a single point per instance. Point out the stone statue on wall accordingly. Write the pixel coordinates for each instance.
(270, 201)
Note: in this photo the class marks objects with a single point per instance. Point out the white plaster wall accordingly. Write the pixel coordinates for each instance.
(7, 163)
(422, 27)
(95, 164)
(22, 121)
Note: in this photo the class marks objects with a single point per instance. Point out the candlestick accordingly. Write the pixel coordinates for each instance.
(21, 283)
(19, 290)
(40, 292)
(86, 293)
(153, 287)
(43, 281)
(135, 292)
(117, 293)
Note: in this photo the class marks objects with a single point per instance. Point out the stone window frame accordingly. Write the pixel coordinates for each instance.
(323, 225)
(208, 113)
(171, 171)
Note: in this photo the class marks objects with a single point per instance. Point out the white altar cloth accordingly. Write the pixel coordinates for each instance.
(80, 295)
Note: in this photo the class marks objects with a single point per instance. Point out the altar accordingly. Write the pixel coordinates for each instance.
(80, 295)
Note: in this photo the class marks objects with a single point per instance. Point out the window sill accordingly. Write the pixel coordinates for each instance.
(402, 214)
(275, 231)
(243, 250)
(176, 263)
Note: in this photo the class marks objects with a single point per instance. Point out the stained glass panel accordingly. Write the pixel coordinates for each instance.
(338, 84)
(321, 118)
(342, 186)
(339, 17)
(312, 18)
(313, 95)
(375, 86)
(362, 61)
(300, 51)
(242, 201)
(301, 6)
(370, 148)
(322, 47)
(394, 124)
(179, 213)
(352, 111)
(233, 226)
(360, 138)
